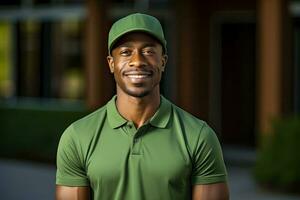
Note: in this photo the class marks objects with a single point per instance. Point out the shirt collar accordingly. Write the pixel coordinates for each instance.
(114, 118)
(160, 119)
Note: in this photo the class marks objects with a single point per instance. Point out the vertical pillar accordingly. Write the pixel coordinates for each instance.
(193, 60)
(98, 81)
(186, 86)
(270, 35)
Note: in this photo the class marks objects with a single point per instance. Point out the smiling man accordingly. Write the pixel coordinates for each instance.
(139, 146)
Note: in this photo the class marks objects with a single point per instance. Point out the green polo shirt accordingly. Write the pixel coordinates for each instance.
(160, 160)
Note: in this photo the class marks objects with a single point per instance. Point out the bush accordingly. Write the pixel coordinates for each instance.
(33, 133)
(278, 163)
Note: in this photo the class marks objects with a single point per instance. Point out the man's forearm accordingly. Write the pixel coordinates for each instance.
(217, 191)
(72, 193)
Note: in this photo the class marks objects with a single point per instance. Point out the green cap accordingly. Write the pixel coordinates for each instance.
(136, 22)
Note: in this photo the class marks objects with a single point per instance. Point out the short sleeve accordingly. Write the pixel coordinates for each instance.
(70, 168)
(208, 163)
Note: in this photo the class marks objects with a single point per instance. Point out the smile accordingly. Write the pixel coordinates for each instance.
(138, 75)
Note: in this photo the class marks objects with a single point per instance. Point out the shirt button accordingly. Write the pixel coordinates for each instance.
(130, 126)
(135, 140)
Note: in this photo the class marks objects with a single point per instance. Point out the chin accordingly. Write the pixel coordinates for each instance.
(138, 94)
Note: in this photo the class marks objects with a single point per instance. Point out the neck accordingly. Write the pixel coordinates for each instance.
(137, 109)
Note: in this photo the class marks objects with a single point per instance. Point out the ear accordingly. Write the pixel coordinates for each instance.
(111, 64)
(164, 62)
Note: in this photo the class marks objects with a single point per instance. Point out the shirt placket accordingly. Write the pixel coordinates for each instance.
(136, 137)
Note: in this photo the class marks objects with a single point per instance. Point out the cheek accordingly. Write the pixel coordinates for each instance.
(122, 64)
(159, 62)
(118, 66)
(160, 68)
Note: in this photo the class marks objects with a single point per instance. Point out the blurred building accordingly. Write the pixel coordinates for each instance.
(233, 63)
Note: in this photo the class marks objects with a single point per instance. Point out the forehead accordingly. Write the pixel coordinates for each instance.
(137, 38)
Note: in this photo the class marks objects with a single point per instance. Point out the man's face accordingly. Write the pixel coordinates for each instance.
(137, 62)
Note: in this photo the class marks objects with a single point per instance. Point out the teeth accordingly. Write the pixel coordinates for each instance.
(137, 76)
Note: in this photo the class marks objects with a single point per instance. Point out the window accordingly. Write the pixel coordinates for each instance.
(6, 75)
(41, 52)
(50, 63)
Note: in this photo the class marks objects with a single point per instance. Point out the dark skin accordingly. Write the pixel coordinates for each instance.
(137, 63)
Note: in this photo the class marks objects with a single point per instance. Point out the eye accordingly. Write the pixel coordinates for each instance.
(125, 52)
(148, 51)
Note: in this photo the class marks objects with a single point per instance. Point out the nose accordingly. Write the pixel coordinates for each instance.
(137, 60)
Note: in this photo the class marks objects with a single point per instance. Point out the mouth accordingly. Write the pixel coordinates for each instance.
(138, 74)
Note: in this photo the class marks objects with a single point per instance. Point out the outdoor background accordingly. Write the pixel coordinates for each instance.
(234, 64)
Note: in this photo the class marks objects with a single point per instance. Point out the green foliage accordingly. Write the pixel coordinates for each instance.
(33, 133)
(278, 163)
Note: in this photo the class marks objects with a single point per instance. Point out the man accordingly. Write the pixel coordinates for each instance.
(139, 146)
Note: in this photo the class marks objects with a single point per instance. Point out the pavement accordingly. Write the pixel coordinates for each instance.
(24, 180)
(20, 180)
(243, 187)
